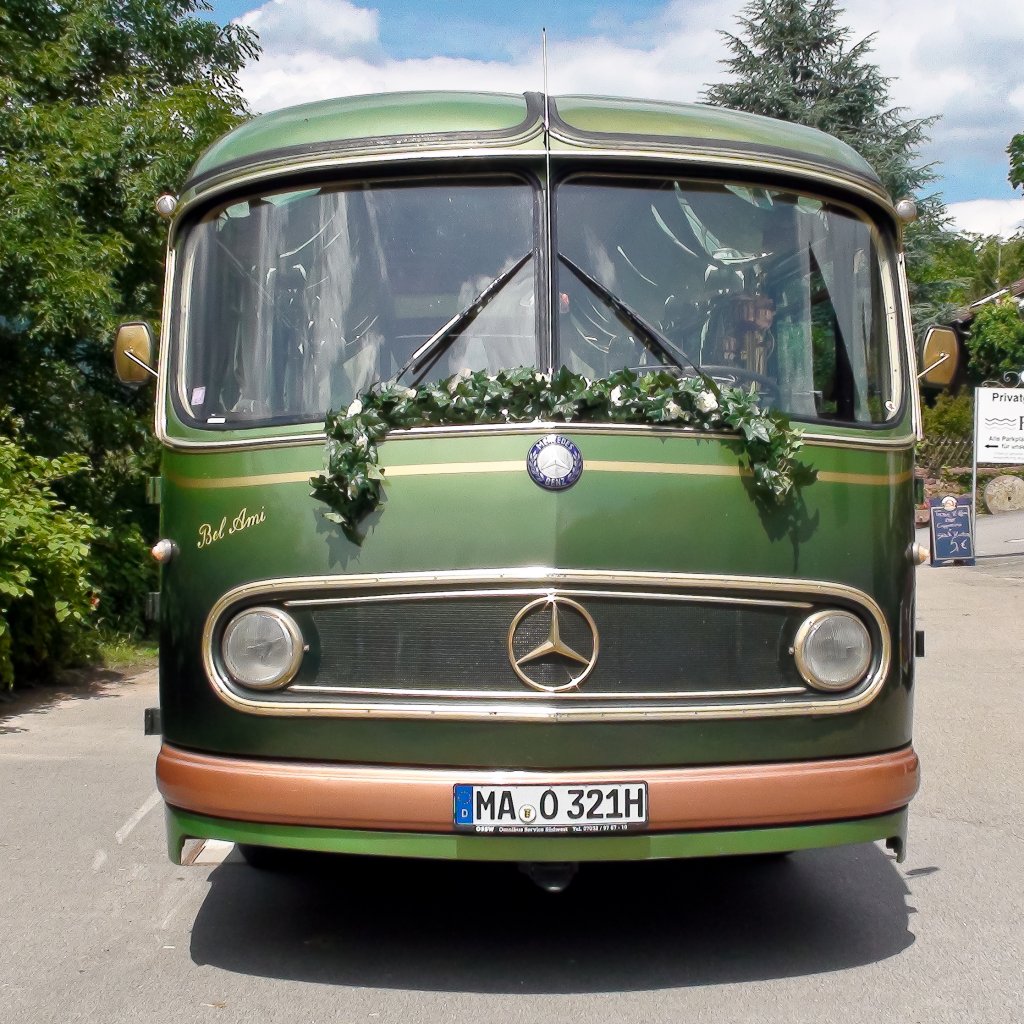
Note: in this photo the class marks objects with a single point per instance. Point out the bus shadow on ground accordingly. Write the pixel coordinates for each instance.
(485, 928)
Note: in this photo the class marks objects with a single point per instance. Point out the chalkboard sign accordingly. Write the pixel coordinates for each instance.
(952, 530)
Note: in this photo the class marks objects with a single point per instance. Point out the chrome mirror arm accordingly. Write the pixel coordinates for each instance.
(139, 362)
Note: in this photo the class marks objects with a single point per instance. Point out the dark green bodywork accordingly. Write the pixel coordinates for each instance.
(855, 530)
(855, 534)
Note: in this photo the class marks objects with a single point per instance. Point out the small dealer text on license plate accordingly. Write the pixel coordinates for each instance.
(562, 808)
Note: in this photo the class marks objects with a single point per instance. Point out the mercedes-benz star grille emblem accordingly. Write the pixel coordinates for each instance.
(554, 665)
(554, 462)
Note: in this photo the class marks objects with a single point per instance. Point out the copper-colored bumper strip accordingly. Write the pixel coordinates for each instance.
(420, 799)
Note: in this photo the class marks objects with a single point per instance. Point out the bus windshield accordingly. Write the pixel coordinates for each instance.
(296, 302)
(299, 301)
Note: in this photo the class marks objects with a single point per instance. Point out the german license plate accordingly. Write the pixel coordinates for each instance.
(563, 808)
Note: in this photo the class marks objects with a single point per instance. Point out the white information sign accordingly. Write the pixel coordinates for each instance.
(999, 425)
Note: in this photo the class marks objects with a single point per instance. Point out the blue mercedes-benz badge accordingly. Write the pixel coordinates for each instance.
(554, 462)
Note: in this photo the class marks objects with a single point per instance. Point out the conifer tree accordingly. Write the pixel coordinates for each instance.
(794, 60)
(1016, 152)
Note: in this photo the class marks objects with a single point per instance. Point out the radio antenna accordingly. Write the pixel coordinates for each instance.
(552, 298)
(544, 62)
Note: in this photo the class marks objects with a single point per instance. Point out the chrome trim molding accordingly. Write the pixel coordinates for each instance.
(685, 695)
(559, 583)
(284, 166)
(649, 150)
(903, 442)
(525, 593)
(917, 416)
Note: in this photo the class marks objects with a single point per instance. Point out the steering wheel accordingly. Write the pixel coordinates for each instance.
(740, 376)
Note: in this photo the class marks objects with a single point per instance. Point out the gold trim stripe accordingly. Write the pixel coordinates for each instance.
(591, 465)
(518, 466)
(454, 468)
(216, 482)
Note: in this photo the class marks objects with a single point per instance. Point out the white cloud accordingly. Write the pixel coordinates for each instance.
(989, 216)
(315, 28)
(944, 56)
(957, 59)
(283, 79)
(300, 62)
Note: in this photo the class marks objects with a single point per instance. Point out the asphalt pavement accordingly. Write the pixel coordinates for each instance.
(99, 926)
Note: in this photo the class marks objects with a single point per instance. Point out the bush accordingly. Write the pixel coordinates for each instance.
(950, 417)
(46, 598)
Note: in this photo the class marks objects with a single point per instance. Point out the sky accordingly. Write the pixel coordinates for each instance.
(957, 59)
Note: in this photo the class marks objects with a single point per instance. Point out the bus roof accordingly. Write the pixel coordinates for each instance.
(391, 123)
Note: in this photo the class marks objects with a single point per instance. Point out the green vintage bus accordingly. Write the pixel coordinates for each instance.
(553, 640)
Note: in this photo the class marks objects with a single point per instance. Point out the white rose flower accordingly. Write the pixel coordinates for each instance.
(355, 408)
(706, 402)
(453, 384)
(616, 396)
(672, 410)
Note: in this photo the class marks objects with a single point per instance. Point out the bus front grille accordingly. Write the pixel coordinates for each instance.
(621, 647)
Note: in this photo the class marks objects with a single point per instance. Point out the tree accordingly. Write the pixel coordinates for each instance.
(103, 105)
(975, 266)
(794, 61)
(1016, 152)
(996, 342)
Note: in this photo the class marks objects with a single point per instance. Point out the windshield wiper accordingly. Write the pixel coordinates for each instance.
(652, 339)
(438, 343)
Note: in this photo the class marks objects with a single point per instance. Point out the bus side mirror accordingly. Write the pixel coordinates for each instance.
(940, 356)
(134, 347)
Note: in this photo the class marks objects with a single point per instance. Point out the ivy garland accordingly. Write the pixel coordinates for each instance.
(352, 484)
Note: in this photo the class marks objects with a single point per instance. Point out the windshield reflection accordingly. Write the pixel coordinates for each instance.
(299, 301)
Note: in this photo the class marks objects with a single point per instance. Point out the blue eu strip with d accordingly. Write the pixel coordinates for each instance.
(463, 805)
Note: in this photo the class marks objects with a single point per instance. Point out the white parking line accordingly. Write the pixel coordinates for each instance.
(126, 829)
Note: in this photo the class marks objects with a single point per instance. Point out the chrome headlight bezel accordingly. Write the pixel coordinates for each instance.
(288, 665)
(807, 658)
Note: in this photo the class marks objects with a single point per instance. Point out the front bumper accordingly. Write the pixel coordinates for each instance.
(400, 811)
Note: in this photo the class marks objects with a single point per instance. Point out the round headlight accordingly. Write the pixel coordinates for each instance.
(262, 648)
(832, 650)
